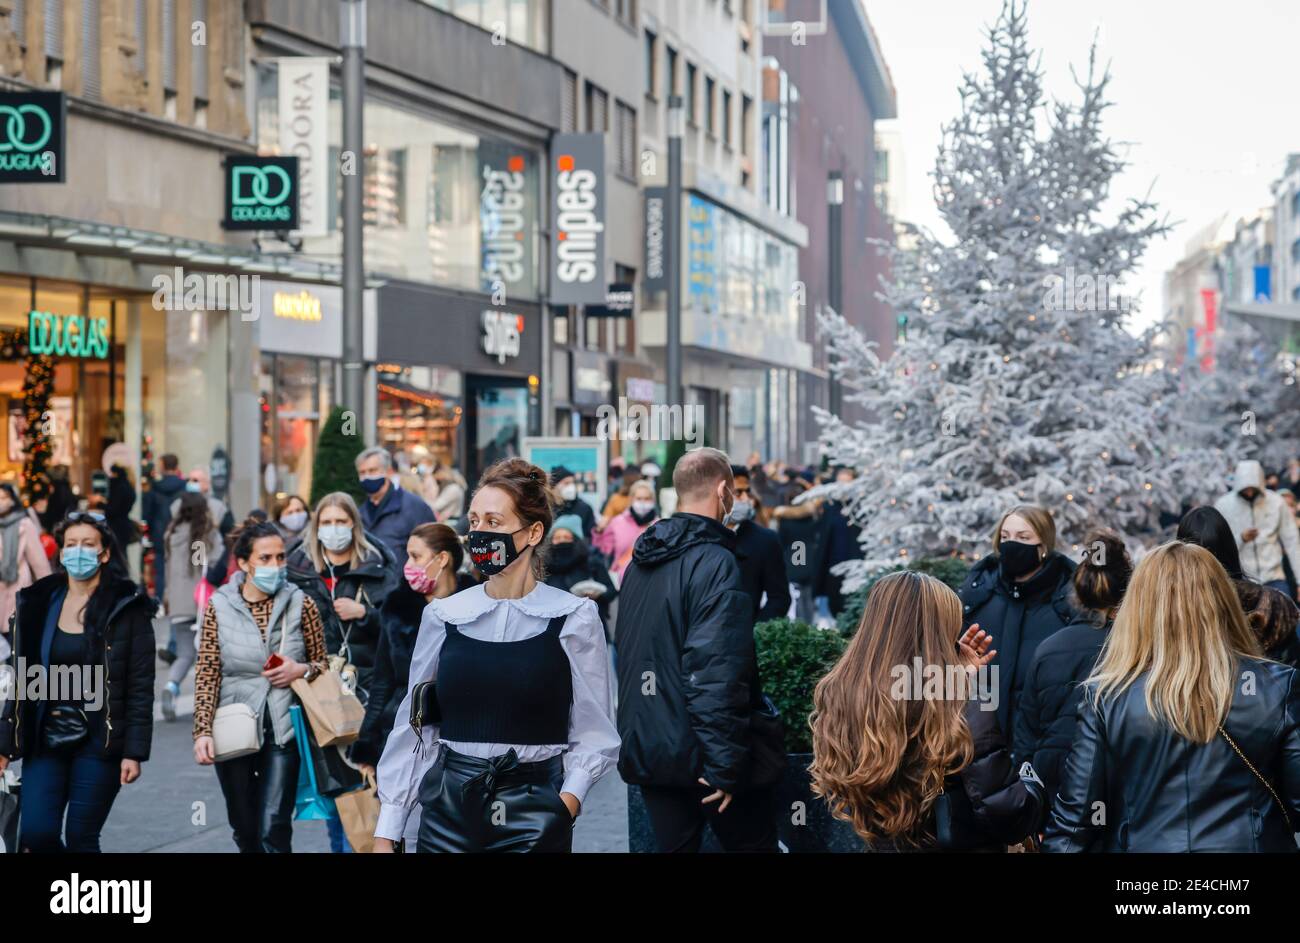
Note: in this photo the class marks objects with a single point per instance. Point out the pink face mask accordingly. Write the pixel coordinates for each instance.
(419, 580)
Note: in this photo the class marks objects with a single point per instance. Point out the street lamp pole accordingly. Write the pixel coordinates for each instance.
(352, 34)
(673, 249)
(835, 276)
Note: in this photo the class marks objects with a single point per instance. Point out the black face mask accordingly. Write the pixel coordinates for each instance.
(1017, 558)
(563, 557)
(492, 551)
(642, 519)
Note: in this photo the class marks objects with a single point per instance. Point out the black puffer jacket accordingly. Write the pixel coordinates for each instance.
(1019, 616)
(1048, 714)
(687, 670)
(399, 619)
(567, 565)
(376, 577)
(1161, 793)
(120, 635)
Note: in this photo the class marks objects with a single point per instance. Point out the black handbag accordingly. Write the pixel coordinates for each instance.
(767, 745)
(334, 775)
(65, 728)
(424, 706)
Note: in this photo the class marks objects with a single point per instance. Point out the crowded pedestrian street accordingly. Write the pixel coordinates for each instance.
(647, 436)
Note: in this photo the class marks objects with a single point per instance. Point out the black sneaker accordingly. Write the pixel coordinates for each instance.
(165, 656)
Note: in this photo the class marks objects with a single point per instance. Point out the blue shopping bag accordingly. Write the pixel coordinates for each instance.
(308, 804)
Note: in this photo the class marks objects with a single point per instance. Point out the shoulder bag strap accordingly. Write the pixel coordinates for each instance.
(1258, 775)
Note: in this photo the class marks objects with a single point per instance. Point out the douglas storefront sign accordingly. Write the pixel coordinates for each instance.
(67, 335)
(579, 215)
(32, 130)
(261, 193)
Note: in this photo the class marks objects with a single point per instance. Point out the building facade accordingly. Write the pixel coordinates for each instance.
(742, 324)
(843, 87)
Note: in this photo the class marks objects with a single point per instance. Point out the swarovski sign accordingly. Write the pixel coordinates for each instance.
(32, 126)
(578, 188)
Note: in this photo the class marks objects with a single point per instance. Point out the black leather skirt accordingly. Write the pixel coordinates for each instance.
(496, 805)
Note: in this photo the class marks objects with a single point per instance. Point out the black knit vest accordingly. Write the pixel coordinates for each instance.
(505, 692)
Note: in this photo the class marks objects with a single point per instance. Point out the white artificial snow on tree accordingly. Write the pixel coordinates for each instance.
(1014, 381)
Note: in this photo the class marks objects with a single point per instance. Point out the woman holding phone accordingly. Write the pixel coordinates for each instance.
(519, 721)
(79, 747)
(259, 635)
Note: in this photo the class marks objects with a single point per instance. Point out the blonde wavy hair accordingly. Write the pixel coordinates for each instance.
(880, 761)
(1181, 625)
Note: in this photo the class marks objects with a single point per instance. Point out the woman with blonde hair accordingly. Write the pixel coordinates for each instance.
(1188, 737)
(901, 748)
(1021, 594)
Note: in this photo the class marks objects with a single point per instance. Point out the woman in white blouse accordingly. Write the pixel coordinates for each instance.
(518, 723)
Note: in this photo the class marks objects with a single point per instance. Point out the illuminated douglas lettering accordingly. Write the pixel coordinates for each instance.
(67, 335)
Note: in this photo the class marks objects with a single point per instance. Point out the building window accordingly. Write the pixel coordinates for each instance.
(525, 21)
(710, 115)
(597, 109)
(626, 144)
(569, 104)
(54, 43)
(90, 77)
(18, 20)
(651, 48)
(670, 76)
(626, 12)
(692, 97)
(726, 119)
(199, 62)
(746, 125)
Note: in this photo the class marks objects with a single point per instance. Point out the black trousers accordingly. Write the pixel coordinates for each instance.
(259, 790)
(678, 818)
(496, 805)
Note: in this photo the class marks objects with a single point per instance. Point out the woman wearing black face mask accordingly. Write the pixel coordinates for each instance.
(1020, 594)
(572, 567)
(509, 717)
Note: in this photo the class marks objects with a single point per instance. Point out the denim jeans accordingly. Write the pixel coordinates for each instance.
(338, 838)
(1281, 586)
(80, 783)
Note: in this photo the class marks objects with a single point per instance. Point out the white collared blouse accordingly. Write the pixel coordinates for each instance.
(592, 750)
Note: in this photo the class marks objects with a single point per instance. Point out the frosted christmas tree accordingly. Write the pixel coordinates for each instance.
(1014, 381)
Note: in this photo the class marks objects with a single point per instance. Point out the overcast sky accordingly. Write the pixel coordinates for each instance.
(1205, 92)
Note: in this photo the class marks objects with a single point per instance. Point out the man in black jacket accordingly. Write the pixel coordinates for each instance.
(688, 672)
(759, 553)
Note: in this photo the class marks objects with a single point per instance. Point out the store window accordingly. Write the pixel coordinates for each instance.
(292, 407)
(420, 406)
(520, 21)
(443, 205)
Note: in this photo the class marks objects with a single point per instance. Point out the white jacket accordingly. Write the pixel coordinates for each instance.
(1261, 558)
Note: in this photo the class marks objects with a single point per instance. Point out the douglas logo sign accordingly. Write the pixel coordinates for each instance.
(261, 193)
(31, 137)
(67, 335)
(579, 214)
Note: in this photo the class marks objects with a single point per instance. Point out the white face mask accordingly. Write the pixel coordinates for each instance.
(643, 507)
(294, 520)
(569, 492)
(336, 537)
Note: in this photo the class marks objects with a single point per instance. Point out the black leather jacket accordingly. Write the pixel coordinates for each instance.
(1132, 784)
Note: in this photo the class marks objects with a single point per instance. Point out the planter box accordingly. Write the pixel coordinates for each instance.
(804, 823)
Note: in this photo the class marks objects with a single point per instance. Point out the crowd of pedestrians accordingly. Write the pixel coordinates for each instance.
(508, 646)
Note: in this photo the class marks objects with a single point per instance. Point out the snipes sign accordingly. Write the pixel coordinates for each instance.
(578, 187)
(32, 128)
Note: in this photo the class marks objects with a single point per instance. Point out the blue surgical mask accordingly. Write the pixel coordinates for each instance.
(193, 487)
(269, 579)
(373, 485)
(336, 537)
(81, 562)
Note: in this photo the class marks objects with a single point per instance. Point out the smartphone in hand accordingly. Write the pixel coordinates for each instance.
(275, 661)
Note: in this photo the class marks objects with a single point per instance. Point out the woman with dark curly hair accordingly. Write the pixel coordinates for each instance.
(90, 628)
